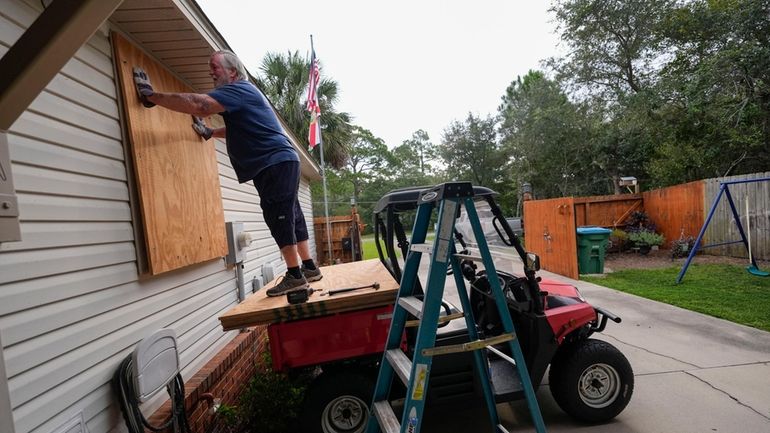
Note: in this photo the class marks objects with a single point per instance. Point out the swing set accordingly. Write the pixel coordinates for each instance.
(724, 189)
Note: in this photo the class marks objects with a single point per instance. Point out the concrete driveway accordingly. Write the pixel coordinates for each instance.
(693, 374)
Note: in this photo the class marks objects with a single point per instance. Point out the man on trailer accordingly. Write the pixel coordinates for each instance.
(259, 150)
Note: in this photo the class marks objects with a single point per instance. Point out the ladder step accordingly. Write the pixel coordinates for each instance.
(385, 417)
(412, 305)
(502, 355)
(400, 363)
(474, 254)
(422, 248)
(505, 378)
(442, 319)
(469, 257)
(467, 347)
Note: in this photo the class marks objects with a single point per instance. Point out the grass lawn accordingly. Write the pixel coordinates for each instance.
(720, 290)
(370, 249)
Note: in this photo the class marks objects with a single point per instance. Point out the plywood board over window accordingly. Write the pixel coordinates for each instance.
(176, 171)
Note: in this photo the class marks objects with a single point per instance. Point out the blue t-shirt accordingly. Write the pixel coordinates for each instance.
(255, 138)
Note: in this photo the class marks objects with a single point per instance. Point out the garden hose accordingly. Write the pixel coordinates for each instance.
(123, 385)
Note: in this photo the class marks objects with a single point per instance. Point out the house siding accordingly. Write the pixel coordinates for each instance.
(72, 302)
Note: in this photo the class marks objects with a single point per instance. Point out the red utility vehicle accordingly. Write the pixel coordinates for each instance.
(590, 379)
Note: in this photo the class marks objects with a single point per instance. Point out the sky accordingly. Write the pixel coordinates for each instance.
(400, 65)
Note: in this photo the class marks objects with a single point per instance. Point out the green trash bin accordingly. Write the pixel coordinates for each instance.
(592, 243)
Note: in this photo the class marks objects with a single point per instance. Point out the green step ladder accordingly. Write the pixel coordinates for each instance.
(415, 372)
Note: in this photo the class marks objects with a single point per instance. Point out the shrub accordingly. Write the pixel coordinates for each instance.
(639, 221)
(270, 403)
(646, 237)
(682, 246)
(618, 240)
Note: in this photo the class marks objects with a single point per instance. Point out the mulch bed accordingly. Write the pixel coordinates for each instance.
(662, 259)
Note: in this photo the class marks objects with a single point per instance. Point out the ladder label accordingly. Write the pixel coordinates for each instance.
(413, 421)
(448, 219)
(444, 235)
(442, 250)
(421, 375)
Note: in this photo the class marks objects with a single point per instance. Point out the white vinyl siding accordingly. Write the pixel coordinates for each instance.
(71, 304)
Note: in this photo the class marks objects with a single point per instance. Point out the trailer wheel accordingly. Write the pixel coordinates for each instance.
(338, 402)
(591, 380)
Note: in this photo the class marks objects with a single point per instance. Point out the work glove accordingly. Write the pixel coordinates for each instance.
(143, 86)
(200, 127)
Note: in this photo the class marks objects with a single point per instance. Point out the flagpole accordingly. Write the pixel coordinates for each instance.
(323, 177)
(326, 204)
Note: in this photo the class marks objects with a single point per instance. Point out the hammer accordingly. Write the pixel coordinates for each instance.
(374, 285)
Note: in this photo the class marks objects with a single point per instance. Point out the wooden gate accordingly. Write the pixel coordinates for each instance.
(549, 228)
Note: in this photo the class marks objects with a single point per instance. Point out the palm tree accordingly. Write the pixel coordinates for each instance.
(284, 80)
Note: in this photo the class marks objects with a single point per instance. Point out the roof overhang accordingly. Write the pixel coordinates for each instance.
(43, 49)
(175, 32)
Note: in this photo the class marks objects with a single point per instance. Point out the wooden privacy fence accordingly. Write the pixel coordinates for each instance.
(550, 225)
(722, 227)
(606, 210)
(677, 210)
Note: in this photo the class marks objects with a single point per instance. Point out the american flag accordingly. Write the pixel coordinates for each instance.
(314, 135)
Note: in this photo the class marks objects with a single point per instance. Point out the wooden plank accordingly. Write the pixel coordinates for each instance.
(176, 172)
(259, 309)
(607, 198)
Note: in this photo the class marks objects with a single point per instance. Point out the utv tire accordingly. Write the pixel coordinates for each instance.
(338, 402)
(591, 381)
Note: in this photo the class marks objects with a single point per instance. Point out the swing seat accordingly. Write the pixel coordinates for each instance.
(753, 270)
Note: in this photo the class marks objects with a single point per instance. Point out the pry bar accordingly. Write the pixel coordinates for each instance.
(374, 285)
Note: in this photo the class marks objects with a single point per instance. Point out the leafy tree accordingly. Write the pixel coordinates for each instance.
(423, 151)
(612, 45)
(548, 136)
(284, 79)
(615, 55)
(717, 87)
(410, 164)
(366, 160)
(338, 194)
(623, 142)
(471, 151)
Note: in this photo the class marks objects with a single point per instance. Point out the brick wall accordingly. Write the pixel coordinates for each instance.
(223, 378)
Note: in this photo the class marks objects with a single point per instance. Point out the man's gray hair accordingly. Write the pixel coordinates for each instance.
(231, 61)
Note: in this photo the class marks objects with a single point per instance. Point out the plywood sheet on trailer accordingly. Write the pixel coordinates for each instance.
(176, 171)
(258, 309)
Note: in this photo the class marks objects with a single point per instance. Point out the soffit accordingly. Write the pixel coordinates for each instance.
(172, 32)
(180, 36)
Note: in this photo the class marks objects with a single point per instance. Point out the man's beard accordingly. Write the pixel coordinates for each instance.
(221, 81)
